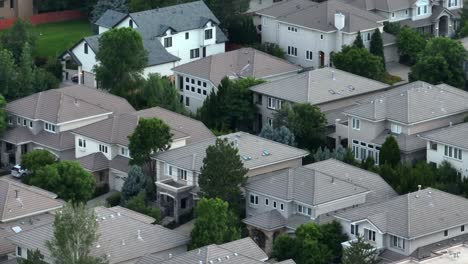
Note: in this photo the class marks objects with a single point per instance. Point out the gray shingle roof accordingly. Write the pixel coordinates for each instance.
(58, 141)
(110, 18)
(304, 185)
(216, 67)
(116, 129)
(382, 5)
(415, 214)
(388, 39)
(319, 86)
(112, 230)
(68, 104)
(413, 102)
(242, 251)
(191, 156)
(407, 143)
(380, 190)
(270, 220)
(452, 135)
(94, 162)
(321, 16)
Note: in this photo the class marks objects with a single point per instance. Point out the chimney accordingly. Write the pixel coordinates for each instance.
(339, 24)
(450, 124)
(170, 255)
(333, 75)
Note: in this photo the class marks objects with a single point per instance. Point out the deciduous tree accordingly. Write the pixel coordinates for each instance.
(360, 252)
(102, 6)
(410, 43)
(26, 73)
(36, 159)
(34, 257)
(8, 74)
(359, 61)
(139, 204)
(17, 36)
(224, 10)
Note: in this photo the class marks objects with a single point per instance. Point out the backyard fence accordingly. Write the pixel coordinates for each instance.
(44, 18)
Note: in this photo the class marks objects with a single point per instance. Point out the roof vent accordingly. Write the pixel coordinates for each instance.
(118, 214)
(170, 255)
(139, 235)
(123, 242)
(265, 153)
(219, 259)
(200, 262)
(419, 187)
(98, 245)
(199, 251)
(235, 254)
(17, 191)
(112, 216)
(332, 179)
(298, 6)
(227, 257)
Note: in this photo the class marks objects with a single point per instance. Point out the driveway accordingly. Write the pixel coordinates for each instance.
(186, 228)
(99, 201)
(400, 70)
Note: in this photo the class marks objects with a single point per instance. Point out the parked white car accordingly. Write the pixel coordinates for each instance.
(17, 172)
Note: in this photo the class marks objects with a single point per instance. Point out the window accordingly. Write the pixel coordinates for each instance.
(12, 3)
(292, 29)
(31, 124)
(209, 34)
(199, 90)
(170, 170)
(10, 120)
(282, 206)
(204, 92)
(187, 101)
(393, 14)
(267, 201)
(204, 84)
(355, 229)
(270, 121)
(25, 122)
(356, 123)
(19, 251)
(130, 23)
(86, 48)
(271, 102)
(81, 143)
(182, 174)
(18, 121)
(274, 204)
(321, 36)
(275, 104)
(194, 53)
(183, 203)
(304, 210)
(49, 127)
(193, 89)
(446, 233)
(397, 242)
(103, 148)
(453, 152)
(2, 3)
(199, 83)
(309, 55)
(254, 199)
(168, 42)
(193, 81)
(292, 51)
(186, 35)
(370, 235)
(187, 79)
(462, 228)
(187, 87)
(124, 151)
(395, 128)
(433, 145)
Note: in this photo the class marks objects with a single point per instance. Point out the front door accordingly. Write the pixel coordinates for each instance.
(322, 59)
(204, 52)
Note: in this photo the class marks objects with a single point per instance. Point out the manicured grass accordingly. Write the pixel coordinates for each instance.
(55, 38)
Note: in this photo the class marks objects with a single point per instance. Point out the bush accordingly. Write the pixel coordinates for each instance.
(100, 190)
(138, 204)
(114, 199)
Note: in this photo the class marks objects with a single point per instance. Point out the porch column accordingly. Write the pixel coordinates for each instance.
(80, 75)
(18, 154)
(176, 208)
(268, 242)
(64, 69)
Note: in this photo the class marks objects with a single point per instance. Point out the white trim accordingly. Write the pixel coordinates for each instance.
(32, 214)
(81, 119)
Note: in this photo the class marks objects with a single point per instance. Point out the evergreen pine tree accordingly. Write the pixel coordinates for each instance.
(376, 45)
(358, 43)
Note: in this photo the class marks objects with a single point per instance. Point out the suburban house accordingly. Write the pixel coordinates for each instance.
(102, 147)
(178, 169)
(412, 225)
(310, 32)
(330, 89)
(44, 120)
(172, 36)
(448, 144)
(280, 201)
(436, 17)
(197, 79)
(124, 237)
(16, 9)
(23, 207)
(404, 113)
(243, 251)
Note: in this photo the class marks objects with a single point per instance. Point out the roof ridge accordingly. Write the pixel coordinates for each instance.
(37, 104)
(409, 214)
(6, 201)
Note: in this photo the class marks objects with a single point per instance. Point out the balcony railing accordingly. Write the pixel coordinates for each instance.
(174, 186)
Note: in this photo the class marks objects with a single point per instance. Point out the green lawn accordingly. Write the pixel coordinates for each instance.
(55, 38)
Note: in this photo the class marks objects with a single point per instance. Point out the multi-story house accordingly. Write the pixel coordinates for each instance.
(197, 79)
(278, 202)
(330, 89)
(436, 17)
(172, 36)
(16, 9)
(448, 144)
(412, 225)
(102, 147)
(44, 120)
(404, 113)
(310, 32)
(124, 236)
(178, 169)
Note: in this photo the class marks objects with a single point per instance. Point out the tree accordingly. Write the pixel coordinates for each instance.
(284, 248)
(67, 179)
(224, 10)
(138, 204)
(324, 153)
(122, 58)
(159, 91)
(333, 237)
(3, 114)
(44, 80)
(103, 5)
(36, 159)
(151, 136)
(8, 74)
(214, 224)
(376, 46)
(441, 61)
(410, 43)
(390, 152)
(359, 61)
(26, 73)
(75, 232)
(34, 257)
(223, 173)
(360, 252)
(134, 183)
(242, 30)
(358, 43)
(271, 48)
(17, 36)
(142, 5)
(282, 135)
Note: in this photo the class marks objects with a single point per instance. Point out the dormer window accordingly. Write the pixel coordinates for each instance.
(124, 151)
(86, 48)
(49, 127)
(168, 42)
(103, 148)
(208, 34)
(81, 143)
(395, 128)
(130, 23)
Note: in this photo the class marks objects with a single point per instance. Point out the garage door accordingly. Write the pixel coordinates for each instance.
(391, 53)
(117, 180)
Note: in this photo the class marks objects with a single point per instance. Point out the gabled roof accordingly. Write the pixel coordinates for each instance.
(382, 5)
(407, 143)
(413, 102)
(242, 251)
(94, 162)
(118, 237)
(19, 200)
(110, 18)
(68, 104)
(250, 148)
(321, 16)
(245, 62)
(116, 129)
(413, 215)
(59, 141)
(319, 86)
(452, 135)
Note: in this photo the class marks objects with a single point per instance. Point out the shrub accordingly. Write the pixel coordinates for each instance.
(101, 189)
(114, 199)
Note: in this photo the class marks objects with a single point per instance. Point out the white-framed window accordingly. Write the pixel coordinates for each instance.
(356, 123)
(18, 121)
(395, 128)
(25, 121)
(304, 210)
(182, 174)
(282, 206)
(292, 51)
(452, 3)
(274, 103)
(354, 229)
(362, 150)
(168, 42)
(124, 151)
(31, 124)
(187, 35)
(270, 121)
(86, 48)
(103, 148)
(292, 29)
(309, 55)
(446, 233)
(274, 204)
(397, 242)
(194, 53)
(82, 143)
(19, 251)
(453, 152)
(321, 36)
(208, 34)
(253, 199)
(370, 234)
(49, 127)
(130, 23)
(433, 145)
(393, 14)
(422, 10)
(267, 201)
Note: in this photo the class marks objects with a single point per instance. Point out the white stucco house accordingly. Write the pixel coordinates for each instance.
(172, 36)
